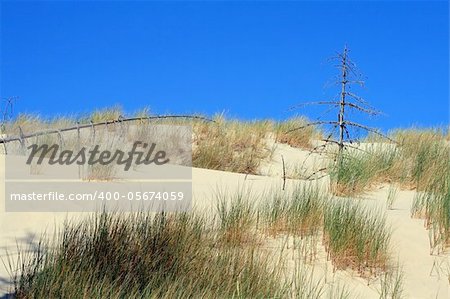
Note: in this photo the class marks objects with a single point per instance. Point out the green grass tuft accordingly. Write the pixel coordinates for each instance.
(356, 237)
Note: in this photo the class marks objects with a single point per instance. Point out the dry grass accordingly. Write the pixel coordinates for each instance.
(425, 154)
(29, 123)
(227, 145)
(106, 114)
(230, 145)
(298, 138)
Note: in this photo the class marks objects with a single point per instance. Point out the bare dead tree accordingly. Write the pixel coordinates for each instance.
(346, 101)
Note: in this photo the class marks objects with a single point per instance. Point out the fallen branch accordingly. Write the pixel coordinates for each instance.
(22, 137)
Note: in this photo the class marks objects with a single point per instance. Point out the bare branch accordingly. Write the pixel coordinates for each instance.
(308, 178)
(313, 124)
(313, 103)
(359, 82)
(365, 110)
(347, 134)
(358, 98)
(369, 129)
(347, 145)
(315, 149)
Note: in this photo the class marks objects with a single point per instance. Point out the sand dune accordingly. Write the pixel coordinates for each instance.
(425, 275)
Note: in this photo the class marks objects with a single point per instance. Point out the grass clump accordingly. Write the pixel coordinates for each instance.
(106, 114)
(424, 154)
(143, 256)
(301, 138)
(351, 174)
(230, 145)
(355, 237)
(427, 154)
(31, 123)
(356, 171)
(299, 212)
(412, 163)
(434, 205)
(236, 217)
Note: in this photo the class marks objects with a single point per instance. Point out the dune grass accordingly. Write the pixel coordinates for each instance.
(143, 255)
(355, 237)
(236, 217)
(420, 161)
(159, 256)
(412, 163)
(306, 286)
(98, 172)
(356, 171)
(230, 145)
(433, 204)
(225, 144)
(167, 255)
(424, 153)
(105, 114)
(301, 138)
(30, 123)
(298, 212)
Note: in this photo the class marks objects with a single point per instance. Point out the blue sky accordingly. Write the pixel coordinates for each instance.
(252, 59)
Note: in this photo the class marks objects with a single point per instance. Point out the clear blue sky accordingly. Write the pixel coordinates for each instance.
(251, 59)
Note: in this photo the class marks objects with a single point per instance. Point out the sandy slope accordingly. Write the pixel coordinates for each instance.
(425, 276)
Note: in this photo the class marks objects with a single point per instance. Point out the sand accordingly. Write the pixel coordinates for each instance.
(425, 275)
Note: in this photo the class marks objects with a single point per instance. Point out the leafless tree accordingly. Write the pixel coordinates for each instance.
(347, 100)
